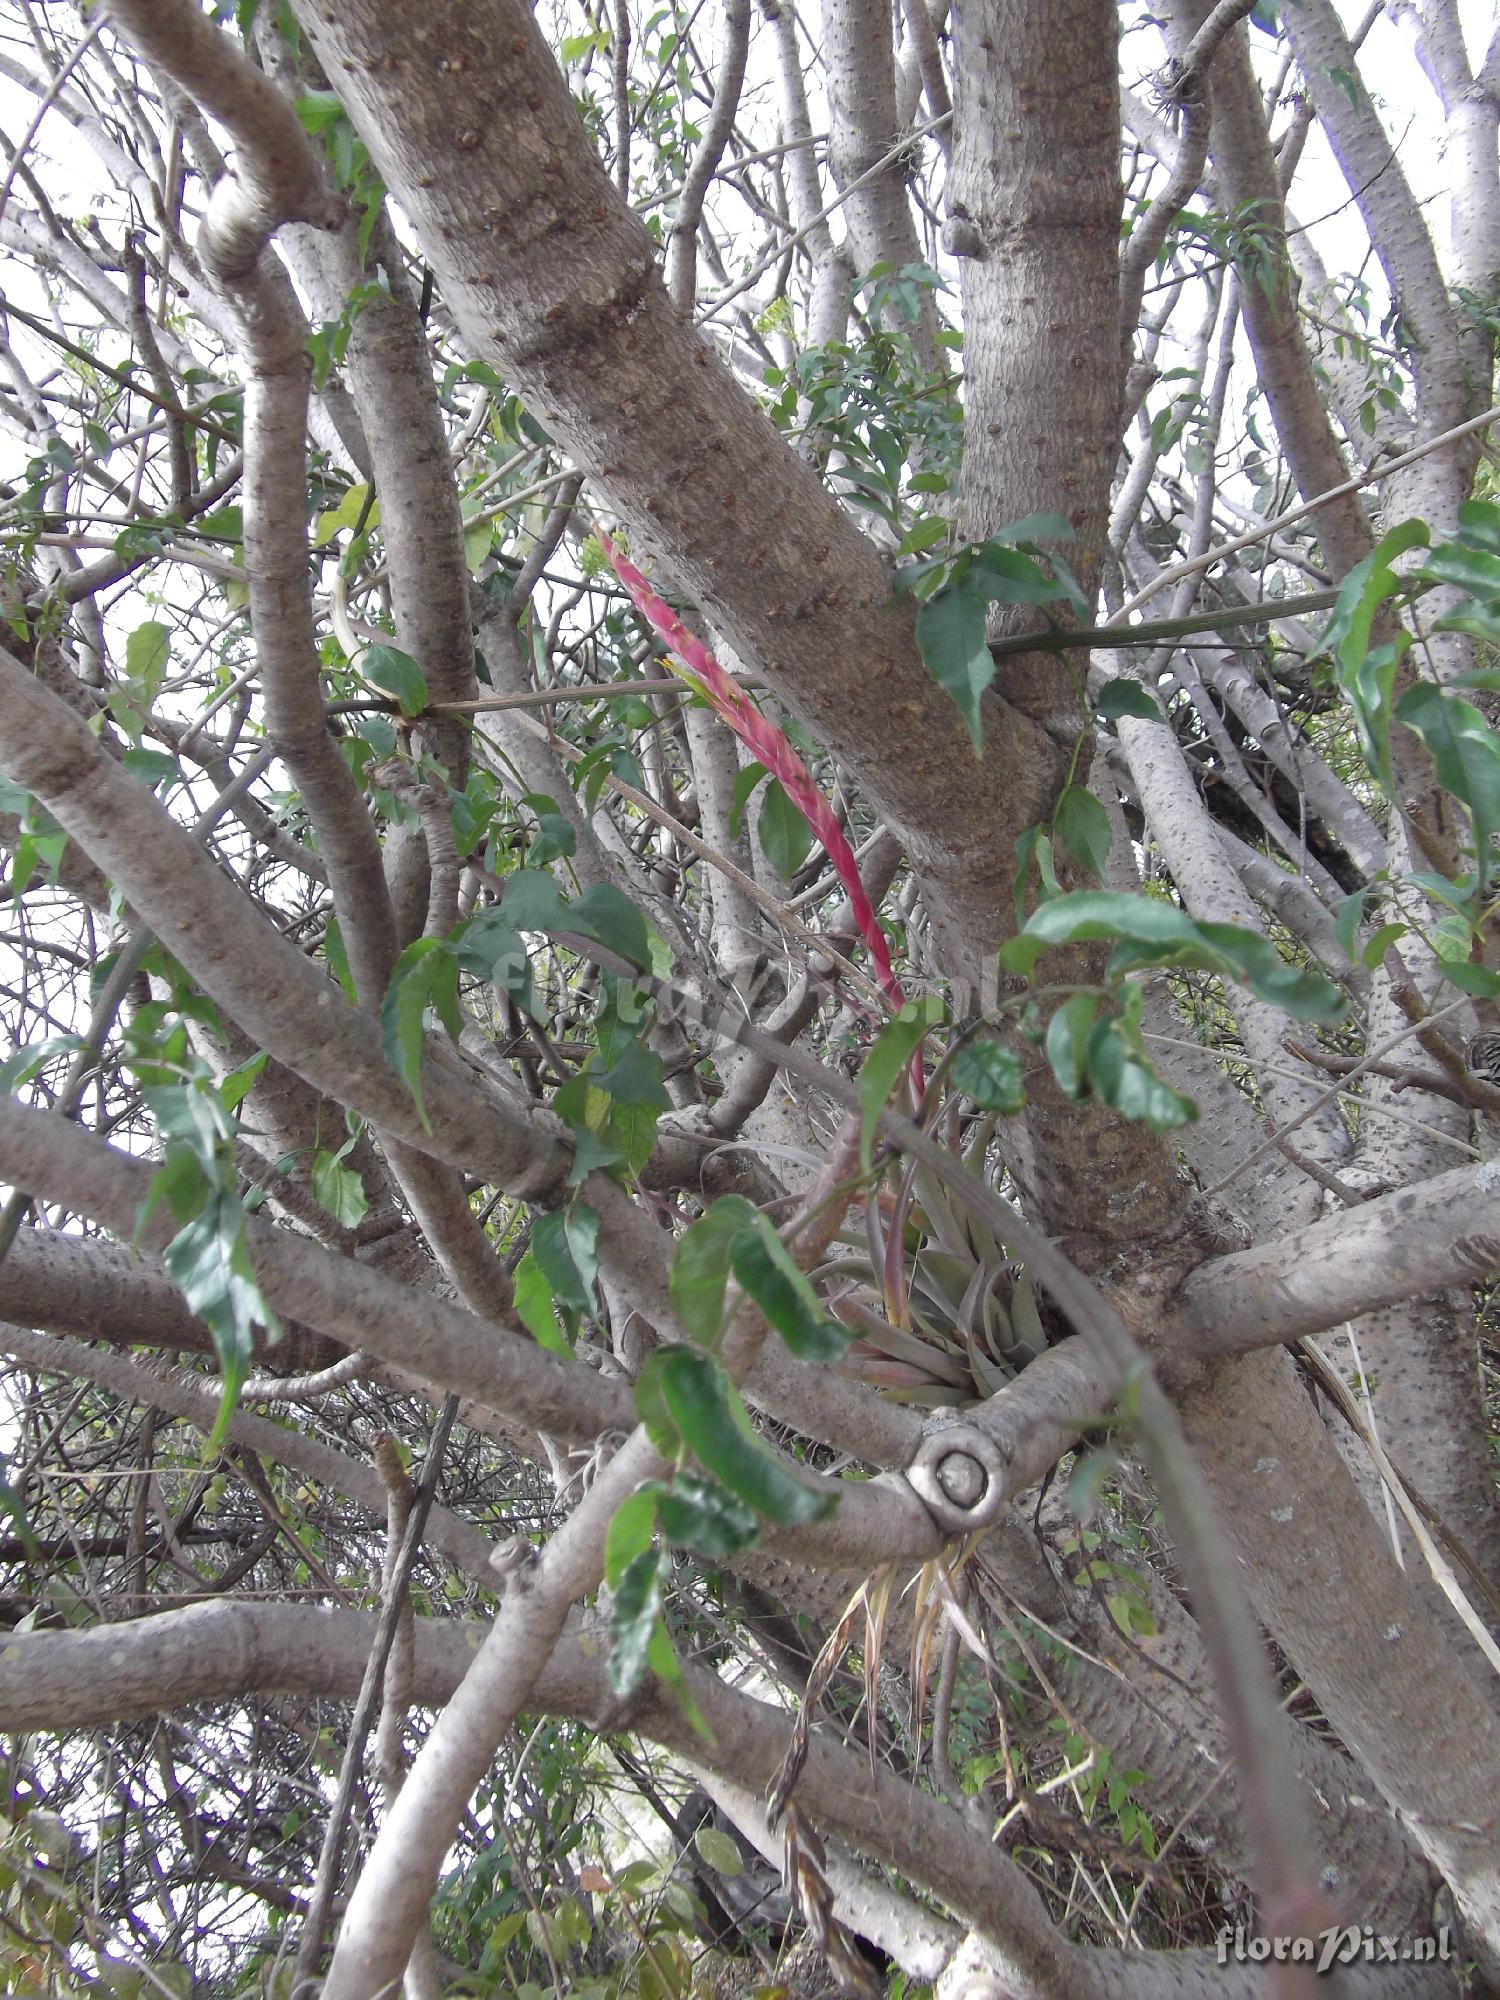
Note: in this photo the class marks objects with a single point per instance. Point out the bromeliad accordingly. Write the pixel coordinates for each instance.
(695, 664)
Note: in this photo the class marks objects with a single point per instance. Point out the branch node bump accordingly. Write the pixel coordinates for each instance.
(959, 1476)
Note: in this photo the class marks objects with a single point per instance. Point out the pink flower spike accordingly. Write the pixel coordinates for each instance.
(770, 746)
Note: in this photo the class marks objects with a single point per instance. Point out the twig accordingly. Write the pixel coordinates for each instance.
(320, 1905)
(1268, 528)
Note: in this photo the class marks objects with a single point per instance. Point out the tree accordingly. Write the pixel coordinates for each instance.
(751, 960)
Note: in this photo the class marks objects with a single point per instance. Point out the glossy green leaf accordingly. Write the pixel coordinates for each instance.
(1033, 844)
(148, 651)
(555, 838)
(651, 1405)
(1471, 978)
(1005, 576)
(1125, 697)
(589, 1115)
(565, 1245)
(489, 947)
(631, 1529)
(1365, 673)
(209, 1263)
(1465, 753)
(708, 1415)
(607, 915)
(532, 1290)
(766, 1270)
(1094, 913)
(635, 1077)
(1346, 922)
(21, 1065)
(1471, 569)
(1479, 525)
(990, 1075)
(397, 674)
(701, 1514)
(1037, 528)
(1067, 1040)
(1122, 1078)
(633, 1613)
(347, 514)
(1151, 932)
(152, 767)
(339, 1188)
(891, 1052)
(415, 979)
(744, 786)
(951, 635)
(1082, 825)
(784, 833)
(1379, 942)
(700, 1266)
(533, 902)
(718, 1851)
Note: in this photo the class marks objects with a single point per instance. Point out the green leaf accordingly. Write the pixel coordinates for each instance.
(1123, 1079)
(1346, 922)
(1474, 570)
(1082, 825)
(990, 1075)
(697, 1398)
(152, 767)
(1005, 576)
(718, 1851)
(489, 947)
(633, 1615)
(533, 1298)
(347, 514)
(589, 1114)
(1037, 528)
(635, 1077)
(888, 1056)
(1465, 753)
(1470, 978)
(784, 833)
(565, 1245)
(1151, 932)
(555, 838)
(1479, 525)
(1125, 697)
(651, 1406)
(209, 1262)
(479, 535)
(700, 1266)
(1093, 913)
(1365, 675)
(768, 1273)
(397, 674)
(403, 1011)
(630, 1531)
(923, 534)
(744, 785)
(607, 915)
(21, 1065)
(339, 1188)
(1033, 843)
(662, 1659)
(703, 1515)
(533, 902)
(951, 635)
(1379, 943)
(147, 651)
(1067, 1041)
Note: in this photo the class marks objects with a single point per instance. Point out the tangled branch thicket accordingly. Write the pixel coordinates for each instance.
(748, 773)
